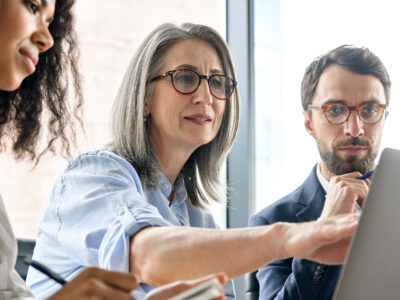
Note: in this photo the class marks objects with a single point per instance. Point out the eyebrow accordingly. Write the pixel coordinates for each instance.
(338, 101)
(194, 68)
(44, 4)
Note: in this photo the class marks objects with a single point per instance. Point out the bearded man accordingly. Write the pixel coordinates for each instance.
(345, 94)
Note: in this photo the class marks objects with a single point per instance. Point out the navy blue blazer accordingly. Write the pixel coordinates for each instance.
(296, 278)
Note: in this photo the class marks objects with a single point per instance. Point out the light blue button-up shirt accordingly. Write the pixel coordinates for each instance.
(96, 205)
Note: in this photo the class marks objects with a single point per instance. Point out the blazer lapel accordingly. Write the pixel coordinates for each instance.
(312, 198)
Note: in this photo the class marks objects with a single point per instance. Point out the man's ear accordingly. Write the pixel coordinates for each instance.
(307, 123)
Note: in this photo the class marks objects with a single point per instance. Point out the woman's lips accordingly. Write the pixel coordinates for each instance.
(199, 119)
(30, 61)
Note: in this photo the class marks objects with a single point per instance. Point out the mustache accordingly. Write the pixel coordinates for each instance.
(353, 141)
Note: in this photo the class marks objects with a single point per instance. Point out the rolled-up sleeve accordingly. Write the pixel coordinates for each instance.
(97, 205)
(100, 204)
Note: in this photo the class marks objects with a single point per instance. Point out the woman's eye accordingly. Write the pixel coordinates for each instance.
(216, 82)
(185, 79)
(32, 6)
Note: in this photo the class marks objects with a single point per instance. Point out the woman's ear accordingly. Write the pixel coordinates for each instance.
(308, 123)
(146, 108)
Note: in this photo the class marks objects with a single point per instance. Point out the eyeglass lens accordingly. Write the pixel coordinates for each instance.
(369, 113)
(186, 81)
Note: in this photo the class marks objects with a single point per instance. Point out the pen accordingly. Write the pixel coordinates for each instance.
(366, 175)
(45, 270)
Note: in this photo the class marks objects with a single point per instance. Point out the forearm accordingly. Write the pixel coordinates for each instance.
(164, 254)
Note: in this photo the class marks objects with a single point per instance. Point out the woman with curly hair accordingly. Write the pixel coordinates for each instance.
(38, 62)
(33, 88)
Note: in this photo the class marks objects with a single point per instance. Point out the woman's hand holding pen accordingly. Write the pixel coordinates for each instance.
(95, 283)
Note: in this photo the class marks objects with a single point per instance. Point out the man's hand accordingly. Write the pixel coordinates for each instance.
(343, 194)
(326, 240)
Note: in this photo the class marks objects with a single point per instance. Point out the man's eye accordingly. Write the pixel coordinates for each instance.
(335, 109)
(370, 109)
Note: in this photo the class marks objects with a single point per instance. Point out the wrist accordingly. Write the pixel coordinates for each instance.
(281, 236)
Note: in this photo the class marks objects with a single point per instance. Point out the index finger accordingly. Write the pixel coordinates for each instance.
(337, 227)
(354, 175)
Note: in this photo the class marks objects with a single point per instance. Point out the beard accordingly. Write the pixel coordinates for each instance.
(351, 163)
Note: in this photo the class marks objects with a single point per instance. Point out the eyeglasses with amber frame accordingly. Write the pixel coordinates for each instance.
(337, 113)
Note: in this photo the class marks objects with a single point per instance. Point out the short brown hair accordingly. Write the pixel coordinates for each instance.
(359, 60)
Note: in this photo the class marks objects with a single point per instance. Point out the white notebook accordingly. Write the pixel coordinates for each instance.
(205, 291)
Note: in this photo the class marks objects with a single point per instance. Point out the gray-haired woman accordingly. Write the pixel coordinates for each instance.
(139, 205)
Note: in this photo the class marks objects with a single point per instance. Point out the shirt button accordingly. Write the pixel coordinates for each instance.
(165, 186)
(121, 212)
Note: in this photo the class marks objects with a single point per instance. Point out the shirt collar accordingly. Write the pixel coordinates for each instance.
(180, 189)
(166, 187)
(322, 180)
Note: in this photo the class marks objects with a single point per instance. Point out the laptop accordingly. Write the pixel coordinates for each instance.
(372, 266)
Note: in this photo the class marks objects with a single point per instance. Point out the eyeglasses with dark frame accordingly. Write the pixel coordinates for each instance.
(187, 81)
(337, 113)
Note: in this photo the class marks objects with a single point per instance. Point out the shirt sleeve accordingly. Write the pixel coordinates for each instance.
(11, 284)
(99, 204)
(96, 205)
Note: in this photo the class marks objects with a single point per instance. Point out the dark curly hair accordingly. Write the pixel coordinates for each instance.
(44, 95)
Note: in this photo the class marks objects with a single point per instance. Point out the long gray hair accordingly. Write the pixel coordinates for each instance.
(129, 129)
